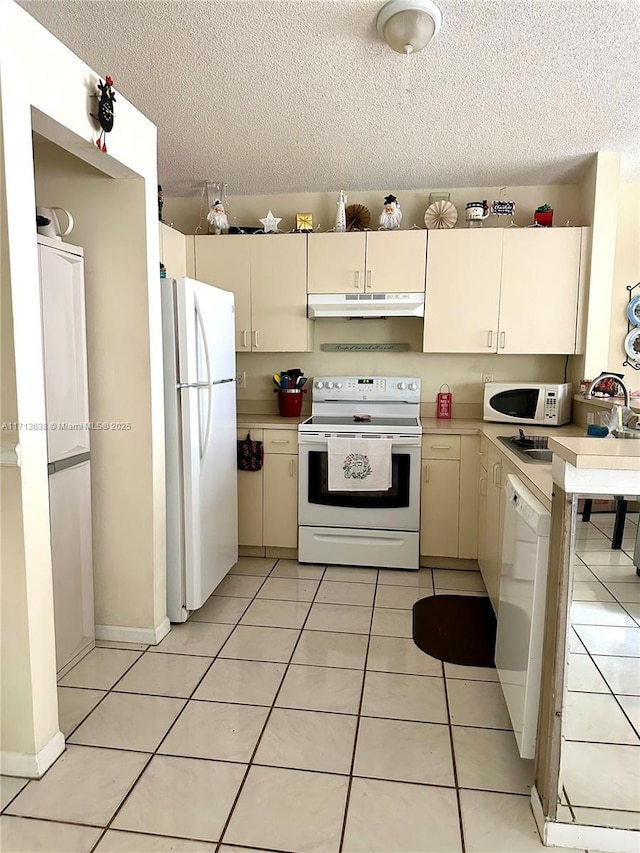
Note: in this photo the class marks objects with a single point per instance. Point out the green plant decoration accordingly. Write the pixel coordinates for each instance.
(543, 208)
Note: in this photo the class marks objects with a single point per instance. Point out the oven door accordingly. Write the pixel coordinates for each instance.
(397, 508)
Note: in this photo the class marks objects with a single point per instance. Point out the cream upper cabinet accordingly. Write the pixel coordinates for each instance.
(504, 290)
(375, 261)
(539, 295)
(267, 274)
(279, 293)
(395, 261)
(463, 290)
(173, 251)
(336, 263)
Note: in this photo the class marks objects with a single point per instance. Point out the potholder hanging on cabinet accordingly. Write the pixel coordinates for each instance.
(250, 454)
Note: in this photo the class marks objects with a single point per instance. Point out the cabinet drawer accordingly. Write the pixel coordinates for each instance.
(280, 441)
(441, 447)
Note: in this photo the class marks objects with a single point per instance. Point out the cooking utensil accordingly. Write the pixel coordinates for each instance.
(301, 381)
(276, 379)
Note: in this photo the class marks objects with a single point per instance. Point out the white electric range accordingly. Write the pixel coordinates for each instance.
(361, 528)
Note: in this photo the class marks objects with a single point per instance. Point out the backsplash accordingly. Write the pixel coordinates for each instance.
(462, 372)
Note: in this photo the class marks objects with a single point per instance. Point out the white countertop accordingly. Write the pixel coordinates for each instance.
(619, 454)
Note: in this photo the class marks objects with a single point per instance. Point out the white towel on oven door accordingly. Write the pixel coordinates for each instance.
(359, 464)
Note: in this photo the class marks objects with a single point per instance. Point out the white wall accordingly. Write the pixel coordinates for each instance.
(626, 273)
(46, 87)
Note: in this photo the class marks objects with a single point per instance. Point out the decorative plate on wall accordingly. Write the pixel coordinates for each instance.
(441, 214)
(632, 344)
(633, 311)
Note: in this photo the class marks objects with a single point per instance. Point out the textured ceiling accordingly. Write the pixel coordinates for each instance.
(276, 96)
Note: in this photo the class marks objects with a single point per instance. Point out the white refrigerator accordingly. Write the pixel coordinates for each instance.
(200, 421)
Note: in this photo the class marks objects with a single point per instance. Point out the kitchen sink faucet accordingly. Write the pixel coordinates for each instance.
(618, 379)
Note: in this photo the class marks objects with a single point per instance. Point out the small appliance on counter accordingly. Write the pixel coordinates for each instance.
(527, 403)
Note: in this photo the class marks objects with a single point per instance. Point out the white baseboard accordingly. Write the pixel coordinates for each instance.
(538, 811)
(123, 634)
(32, 766)
(607, 839)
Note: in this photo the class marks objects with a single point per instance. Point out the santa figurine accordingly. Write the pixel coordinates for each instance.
(391, 216)
(218, 218)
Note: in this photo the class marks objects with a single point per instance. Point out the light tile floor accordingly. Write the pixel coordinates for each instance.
(292, 713)
(601, 754)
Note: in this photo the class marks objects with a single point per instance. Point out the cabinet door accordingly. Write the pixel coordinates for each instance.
(65, 351)
(539, 295)
(281, 500)
(71, 561)
(463, 290)
(396, 261)
(439, 509)
(225, 262)
(336, 263)
(469, 473)
(250, 486)
(173, 251)
(490, 566)
(279, 293)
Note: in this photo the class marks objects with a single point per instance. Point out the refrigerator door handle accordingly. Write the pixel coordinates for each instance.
(204, 384)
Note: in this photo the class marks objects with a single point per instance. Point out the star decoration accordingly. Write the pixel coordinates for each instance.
(270, 223)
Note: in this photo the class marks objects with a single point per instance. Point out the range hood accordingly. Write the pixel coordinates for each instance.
(365, 305)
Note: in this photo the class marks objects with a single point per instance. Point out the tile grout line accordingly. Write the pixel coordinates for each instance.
(453, 758)
(250, 763)
(358, 720)
(187, 700)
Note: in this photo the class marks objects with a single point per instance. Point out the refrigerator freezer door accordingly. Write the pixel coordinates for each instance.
(206, 333)
(65, 356)
(210, 488)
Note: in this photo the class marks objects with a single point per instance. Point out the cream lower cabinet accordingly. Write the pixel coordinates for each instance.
(268, 276)
(490, 520)
(503, 290)
(448, 510)
(375, 261)
(268, 499)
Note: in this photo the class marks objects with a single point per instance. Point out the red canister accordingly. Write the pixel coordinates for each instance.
(290, 401)
(444, 400)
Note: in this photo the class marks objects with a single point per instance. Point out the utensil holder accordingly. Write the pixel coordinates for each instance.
(290, 401)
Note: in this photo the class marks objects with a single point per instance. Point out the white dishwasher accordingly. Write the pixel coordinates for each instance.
(521, 609)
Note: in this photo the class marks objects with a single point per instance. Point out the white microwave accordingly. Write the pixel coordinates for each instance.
(527, 403)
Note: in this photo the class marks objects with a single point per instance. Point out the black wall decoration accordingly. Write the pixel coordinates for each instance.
(106, 99)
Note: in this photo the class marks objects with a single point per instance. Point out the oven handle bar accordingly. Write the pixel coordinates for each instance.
(398, 440)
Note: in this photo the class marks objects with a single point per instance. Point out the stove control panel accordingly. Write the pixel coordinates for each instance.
(397, 389)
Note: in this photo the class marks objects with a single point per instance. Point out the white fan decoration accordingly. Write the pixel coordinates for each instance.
(441, 214)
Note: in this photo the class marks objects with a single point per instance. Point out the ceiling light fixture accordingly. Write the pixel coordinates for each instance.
(408, 25)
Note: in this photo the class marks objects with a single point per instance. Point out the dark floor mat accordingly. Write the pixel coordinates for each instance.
(456, 628)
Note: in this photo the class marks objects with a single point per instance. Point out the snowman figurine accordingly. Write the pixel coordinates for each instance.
(391, 216)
